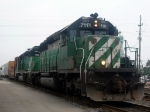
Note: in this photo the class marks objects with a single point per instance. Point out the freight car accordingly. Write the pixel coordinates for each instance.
(7, 70)
(83, 58)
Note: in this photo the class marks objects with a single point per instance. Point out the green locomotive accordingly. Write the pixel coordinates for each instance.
(27, 65)
(83, 58)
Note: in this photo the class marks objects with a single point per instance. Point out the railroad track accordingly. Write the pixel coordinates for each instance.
(147, 90)
(146, 96)
(124, 107)
(112, 108)
(105, 106)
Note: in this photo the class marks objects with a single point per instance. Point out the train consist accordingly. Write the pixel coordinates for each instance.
(7, 70)
(83, 58)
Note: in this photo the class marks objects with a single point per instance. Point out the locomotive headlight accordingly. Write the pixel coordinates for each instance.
(95, 25)
(95, 21)
(103, 62)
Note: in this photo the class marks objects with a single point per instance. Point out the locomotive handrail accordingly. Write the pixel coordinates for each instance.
(81, 61)
(87, 61)
(75, 43)
(82, 58)
(136, 54)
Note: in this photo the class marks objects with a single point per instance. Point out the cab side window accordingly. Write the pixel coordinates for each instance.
(72, 35)
(62, 39)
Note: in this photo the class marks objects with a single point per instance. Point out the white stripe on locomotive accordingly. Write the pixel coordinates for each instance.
(91, 45)
(101, 51)
(114, 52)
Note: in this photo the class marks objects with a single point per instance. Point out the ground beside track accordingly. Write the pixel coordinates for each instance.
(54, 104)
(19, 98)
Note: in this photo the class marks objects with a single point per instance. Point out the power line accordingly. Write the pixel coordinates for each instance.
(135, 44)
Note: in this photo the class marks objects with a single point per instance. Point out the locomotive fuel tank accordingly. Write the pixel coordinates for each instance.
(51, 82)
(20, 78)
(48, 82)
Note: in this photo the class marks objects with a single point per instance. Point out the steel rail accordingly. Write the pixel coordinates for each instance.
(112, 108)
(141, 107)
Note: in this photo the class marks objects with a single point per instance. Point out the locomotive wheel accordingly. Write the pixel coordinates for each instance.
(79, 92)
(64, 87)
(74, 90)
(67, 90)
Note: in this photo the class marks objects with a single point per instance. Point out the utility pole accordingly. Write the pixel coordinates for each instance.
(140, 38)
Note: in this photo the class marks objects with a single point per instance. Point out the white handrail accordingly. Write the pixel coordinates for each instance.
(75, 43)
(81, 61)
(82, 58)
(87, 61)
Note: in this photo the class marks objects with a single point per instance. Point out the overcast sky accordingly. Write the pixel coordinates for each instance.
(27, 23)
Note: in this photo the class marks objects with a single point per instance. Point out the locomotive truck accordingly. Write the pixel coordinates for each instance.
(83, 58)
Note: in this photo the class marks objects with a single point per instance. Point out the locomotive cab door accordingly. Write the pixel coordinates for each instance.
(62, 52)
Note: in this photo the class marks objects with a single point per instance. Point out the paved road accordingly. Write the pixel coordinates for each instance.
(18, 98)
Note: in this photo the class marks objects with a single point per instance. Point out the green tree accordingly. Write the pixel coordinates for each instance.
(146, 69)
(148, 63)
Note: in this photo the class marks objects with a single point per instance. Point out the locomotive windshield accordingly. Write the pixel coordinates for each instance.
(88, 32)
(85, 33)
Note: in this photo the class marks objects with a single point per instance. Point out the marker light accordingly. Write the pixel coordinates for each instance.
(103, 62)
